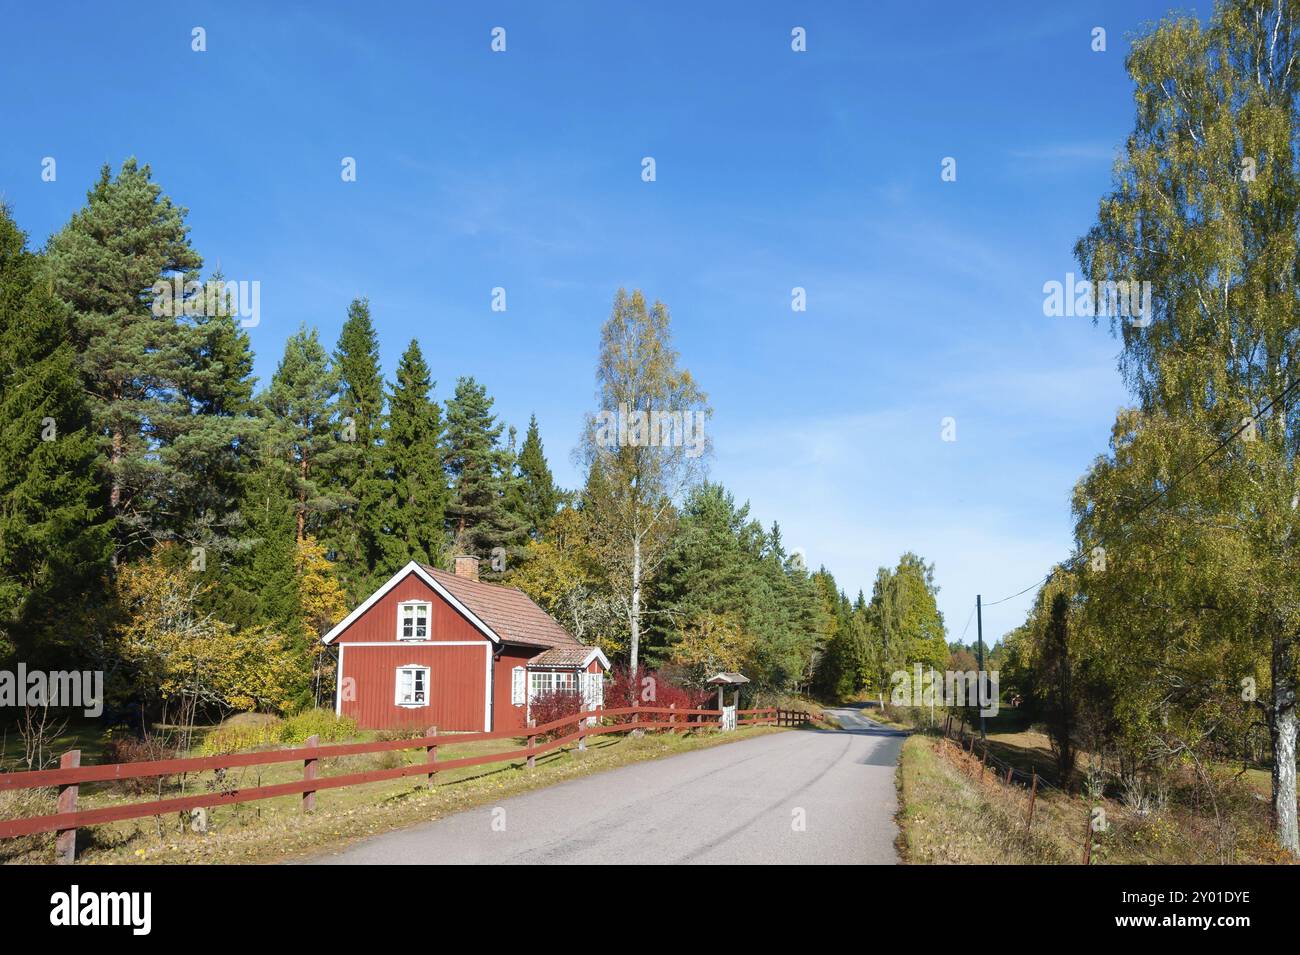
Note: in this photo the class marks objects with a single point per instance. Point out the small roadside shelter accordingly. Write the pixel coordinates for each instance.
(722, 681)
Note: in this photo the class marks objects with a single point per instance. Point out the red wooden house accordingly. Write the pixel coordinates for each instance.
(430, 648)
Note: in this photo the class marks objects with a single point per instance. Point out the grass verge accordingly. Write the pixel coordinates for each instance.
(955, 812)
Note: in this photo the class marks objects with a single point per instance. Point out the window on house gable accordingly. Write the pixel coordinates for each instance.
(517, 677)
(413, 621)
(412, 686)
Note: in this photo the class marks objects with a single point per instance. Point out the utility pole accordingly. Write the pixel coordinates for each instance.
(979, 658)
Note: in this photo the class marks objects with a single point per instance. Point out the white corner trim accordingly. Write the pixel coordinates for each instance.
(338, 684)
(411, 568)
(487, 690)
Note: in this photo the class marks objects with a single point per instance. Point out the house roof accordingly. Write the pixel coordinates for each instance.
(499, 613)
(578, 657)
(510, 613)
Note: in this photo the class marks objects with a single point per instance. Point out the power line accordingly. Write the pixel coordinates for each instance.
(1247, 423)
(967, 627)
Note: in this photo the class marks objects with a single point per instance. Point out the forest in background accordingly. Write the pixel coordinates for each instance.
(165, 520)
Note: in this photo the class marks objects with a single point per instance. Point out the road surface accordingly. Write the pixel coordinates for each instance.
(796, 797)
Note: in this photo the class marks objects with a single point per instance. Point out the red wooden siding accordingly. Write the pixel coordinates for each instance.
(508, 716)
(379, 623)
(457, 685)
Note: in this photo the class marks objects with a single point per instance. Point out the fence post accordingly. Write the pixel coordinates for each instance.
(1087, 835)
(672, 717)
(582, 738)
(431, 754)
(532, 744)
(309, 767)
(65, 843)
(1033, 793)
(1008, 775)
(984, 762)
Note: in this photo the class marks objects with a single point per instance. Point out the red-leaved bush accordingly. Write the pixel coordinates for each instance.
(551, 705)
(647, 687)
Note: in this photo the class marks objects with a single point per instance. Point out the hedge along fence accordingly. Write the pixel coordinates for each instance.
(71, 773)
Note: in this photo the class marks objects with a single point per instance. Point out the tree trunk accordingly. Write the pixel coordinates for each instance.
(1282, 728)
(302, 502)
(635, 621)
(115, 489)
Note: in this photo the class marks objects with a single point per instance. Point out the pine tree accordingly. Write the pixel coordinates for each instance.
(301, 435)
(413, 452)
(105, 264)
(354, 534)
(534, 498)
(55, 534)
(478, 465)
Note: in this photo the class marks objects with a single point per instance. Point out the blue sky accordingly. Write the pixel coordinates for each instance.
(775, 169)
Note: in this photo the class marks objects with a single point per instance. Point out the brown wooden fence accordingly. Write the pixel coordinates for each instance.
(70, 774)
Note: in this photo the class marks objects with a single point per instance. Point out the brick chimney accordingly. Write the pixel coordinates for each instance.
(467, 567)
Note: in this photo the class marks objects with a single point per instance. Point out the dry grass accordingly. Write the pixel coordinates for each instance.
(948, 819)
(953, 812)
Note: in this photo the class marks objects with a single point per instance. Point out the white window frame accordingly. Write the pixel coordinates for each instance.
(535, 683)
(417, 671)
(552, 681)
(519, 686)
(593, 690)
(413, 606)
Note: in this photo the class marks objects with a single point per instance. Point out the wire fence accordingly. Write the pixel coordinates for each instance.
(972, 751)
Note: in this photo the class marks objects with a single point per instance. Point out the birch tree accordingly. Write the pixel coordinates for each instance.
(1204, 209)
(643, 447)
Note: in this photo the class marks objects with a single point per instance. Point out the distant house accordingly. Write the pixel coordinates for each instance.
(430, 648)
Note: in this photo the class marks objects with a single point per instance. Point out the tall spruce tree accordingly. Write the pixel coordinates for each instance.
(355, 534)
(55, 533)
(105, 264)
(265, 579)
(534, 498)
(301, 438)
(211, 446)
(478, 465)
(413, 454)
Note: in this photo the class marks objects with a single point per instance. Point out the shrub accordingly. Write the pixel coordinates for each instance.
(230, 738)
(409, 731)
(555, 705)
(139, 749)
(322, 723)
(649, 688)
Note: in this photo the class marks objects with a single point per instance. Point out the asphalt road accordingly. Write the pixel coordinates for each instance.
(796, 797)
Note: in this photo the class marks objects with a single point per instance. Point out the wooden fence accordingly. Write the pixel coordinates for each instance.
(71, 774)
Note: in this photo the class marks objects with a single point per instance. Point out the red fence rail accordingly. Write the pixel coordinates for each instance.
(71, 774)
